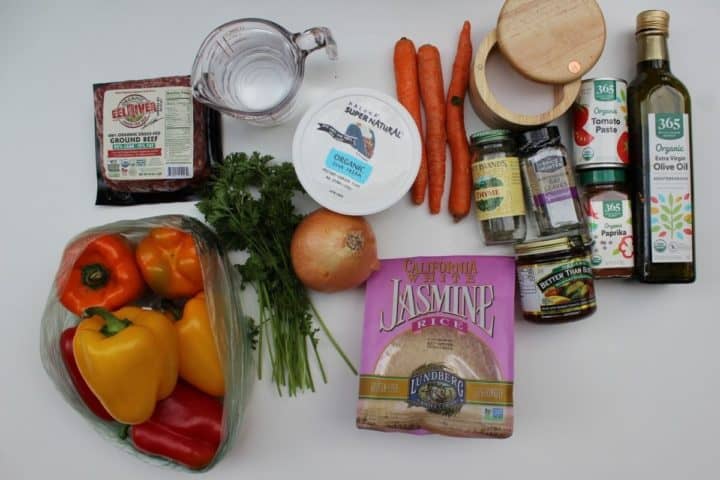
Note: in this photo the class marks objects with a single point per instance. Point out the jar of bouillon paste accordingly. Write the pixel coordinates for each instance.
(555, 278)
(498, 192)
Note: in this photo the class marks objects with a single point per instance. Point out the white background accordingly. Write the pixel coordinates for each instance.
(630, 392)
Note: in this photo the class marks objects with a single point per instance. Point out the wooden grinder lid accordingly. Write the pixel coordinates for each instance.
(551, 41)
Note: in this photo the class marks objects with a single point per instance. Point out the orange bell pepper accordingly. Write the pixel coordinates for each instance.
(199, 359)
(104, 275)
(169, 263)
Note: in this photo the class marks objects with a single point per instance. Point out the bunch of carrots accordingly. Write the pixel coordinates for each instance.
(419, 81)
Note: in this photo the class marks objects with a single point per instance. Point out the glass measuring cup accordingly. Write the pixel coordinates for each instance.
(253, 68)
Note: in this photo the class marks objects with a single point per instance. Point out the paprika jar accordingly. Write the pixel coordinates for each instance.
(609, 220)
(555, 279)
(497, 184)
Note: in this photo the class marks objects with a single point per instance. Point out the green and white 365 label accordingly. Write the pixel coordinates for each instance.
(671, 209)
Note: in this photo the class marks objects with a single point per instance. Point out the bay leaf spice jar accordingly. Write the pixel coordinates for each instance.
(550, 182)
(498, 190)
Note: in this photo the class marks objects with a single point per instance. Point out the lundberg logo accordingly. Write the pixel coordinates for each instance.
(436, 389)
(134, 111)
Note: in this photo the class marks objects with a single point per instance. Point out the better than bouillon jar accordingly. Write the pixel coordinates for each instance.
(497, 183)
(555, 279)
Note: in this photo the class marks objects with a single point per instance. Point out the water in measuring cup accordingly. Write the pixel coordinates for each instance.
(261, 73)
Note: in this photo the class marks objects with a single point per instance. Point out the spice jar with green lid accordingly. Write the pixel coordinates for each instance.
(555, 279)
(549, 182)
(498, 191)
(609, 219)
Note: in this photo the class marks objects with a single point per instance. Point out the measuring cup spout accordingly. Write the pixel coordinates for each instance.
(315, 38)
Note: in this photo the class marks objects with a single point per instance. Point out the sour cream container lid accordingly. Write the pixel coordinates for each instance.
(357, 151)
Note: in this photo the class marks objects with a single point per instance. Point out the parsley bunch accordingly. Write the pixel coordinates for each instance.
(248, 201)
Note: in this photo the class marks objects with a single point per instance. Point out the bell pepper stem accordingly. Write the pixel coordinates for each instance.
(94, 276)
(113, 324)
(123, 432)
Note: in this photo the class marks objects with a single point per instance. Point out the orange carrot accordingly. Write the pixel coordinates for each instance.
(432, 93)
(408, 94)
(461, 180)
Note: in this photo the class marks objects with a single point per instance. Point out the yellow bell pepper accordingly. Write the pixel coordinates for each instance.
(128, 358)
(199, 359)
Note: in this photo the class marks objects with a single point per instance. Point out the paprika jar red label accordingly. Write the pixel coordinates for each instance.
(610, 225)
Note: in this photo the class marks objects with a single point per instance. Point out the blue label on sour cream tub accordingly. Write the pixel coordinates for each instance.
(348, 165)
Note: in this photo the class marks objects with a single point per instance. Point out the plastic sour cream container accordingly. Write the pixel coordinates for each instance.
(357, 151)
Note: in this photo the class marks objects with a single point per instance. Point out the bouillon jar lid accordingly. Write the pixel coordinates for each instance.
(357, 151)
(601, 176)
(490, 136)
(552, 245)
(533, 140)
(551, 41)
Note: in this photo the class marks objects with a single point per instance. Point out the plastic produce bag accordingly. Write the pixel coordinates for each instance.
(230, 327)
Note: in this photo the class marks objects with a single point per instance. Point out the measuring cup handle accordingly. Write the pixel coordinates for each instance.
(315, 38)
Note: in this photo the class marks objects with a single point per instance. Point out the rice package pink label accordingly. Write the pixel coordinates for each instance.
(438, 343)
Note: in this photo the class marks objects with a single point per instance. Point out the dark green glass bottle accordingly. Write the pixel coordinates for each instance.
(661, 157)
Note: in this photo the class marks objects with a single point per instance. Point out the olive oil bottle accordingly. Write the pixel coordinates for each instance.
(661, 158)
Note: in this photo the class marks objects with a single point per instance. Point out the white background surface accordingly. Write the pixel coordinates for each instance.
(630, 392)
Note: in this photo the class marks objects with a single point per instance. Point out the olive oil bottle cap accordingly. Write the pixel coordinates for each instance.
(652, 22)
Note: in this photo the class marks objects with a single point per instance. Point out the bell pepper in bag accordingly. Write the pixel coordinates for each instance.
(199, 359)
(169, 263)
(186, 427)
(104, 275)
(128, 358)
(87, 396)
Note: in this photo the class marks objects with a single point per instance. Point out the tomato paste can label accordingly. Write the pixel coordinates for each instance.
(600, 123)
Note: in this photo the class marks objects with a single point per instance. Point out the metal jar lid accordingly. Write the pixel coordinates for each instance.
(602, 176)
(490, 136)
(552, 245)
(531, 141)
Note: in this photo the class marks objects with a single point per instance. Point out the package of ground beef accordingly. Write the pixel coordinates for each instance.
(153, 141)
(438, 344)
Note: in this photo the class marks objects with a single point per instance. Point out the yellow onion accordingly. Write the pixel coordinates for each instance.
(332, 252)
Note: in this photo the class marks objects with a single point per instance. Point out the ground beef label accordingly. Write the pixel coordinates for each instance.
(148, 133)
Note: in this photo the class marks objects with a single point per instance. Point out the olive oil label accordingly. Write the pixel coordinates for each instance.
(557, 288)
(671, 209)
(498, 188)
(610, 225)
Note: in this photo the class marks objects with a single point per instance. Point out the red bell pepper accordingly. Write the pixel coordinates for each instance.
(185, 427)
(88, 397)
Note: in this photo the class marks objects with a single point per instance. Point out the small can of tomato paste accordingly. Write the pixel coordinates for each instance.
(600, 123)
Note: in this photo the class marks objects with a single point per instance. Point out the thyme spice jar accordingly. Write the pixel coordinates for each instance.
(499, 201)
(549, 182)
(555, 279)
